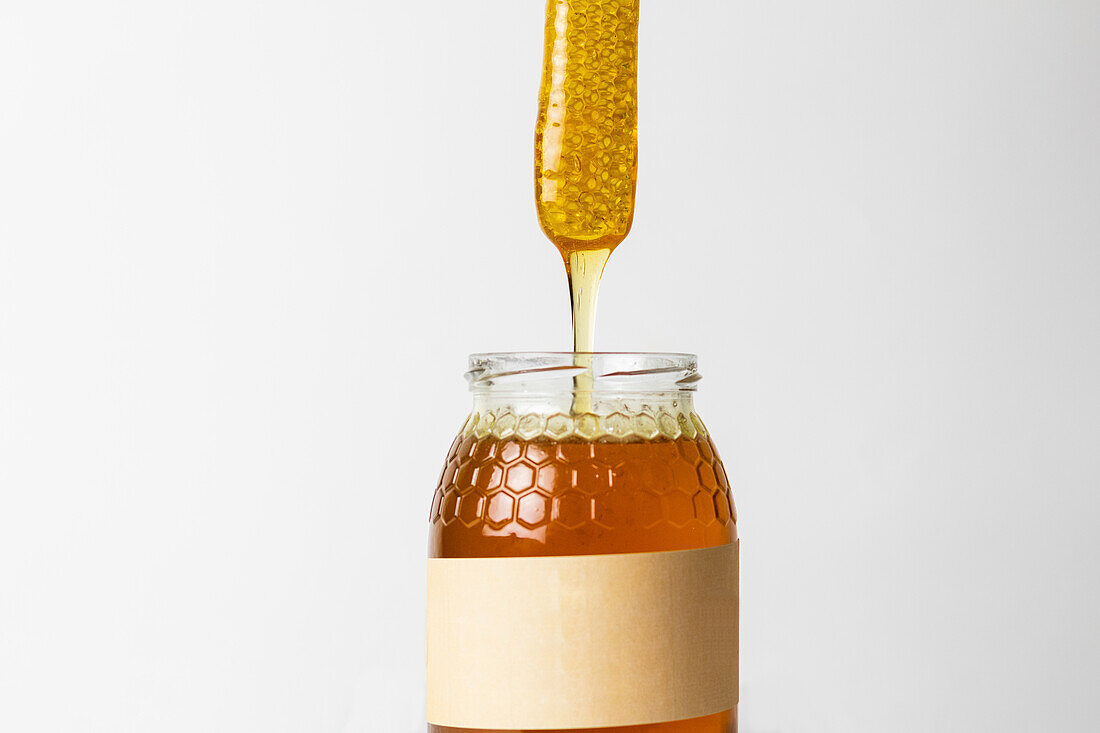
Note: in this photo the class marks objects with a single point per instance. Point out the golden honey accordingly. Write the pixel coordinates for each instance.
(586, 138)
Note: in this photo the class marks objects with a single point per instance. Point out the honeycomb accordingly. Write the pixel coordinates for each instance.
(586, 150)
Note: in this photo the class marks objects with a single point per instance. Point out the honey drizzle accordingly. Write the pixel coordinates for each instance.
(584, 269)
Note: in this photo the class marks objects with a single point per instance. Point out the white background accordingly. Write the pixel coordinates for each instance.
(245, 247)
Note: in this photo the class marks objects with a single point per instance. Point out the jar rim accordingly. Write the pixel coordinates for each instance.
(526, 354)
(611, 371)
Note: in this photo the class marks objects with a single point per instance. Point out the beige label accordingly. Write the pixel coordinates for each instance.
(591, 641)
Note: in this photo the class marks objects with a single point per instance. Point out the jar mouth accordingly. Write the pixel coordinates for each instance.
(597, 371)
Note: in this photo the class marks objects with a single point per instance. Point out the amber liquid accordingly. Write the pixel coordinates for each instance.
(511, 498)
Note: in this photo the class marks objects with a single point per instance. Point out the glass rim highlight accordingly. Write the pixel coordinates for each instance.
(601, 371)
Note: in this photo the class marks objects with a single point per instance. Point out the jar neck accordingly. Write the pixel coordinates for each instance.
(600, 404)
(596, 396)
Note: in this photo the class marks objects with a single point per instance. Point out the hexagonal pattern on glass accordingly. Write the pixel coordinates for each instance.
(571, 509)
(648, 512)
(592, 477)
(449, 512)
(471, 509)
(707, 477)
(538, 453)
(614, 509)
(521, 477)
(500, 508)
(534, 510)
(679, 508)
(516, 487)
(510, 451)
(489, 477)
(703, 501)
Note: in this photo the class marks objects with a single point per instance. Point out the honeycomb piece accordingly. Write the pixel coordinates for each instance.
(586, 147)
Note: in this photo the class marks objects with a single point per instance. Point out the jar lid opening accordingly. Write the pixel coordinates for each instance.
(548, 371)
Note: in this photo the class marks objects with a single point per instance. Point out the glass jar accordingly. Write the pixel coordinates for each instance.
(582, 503)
